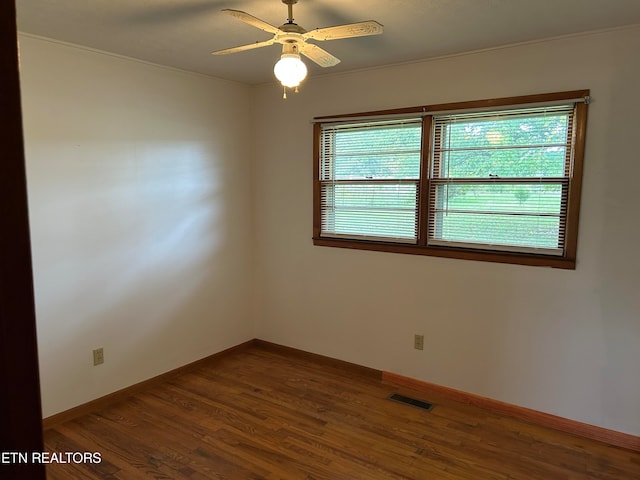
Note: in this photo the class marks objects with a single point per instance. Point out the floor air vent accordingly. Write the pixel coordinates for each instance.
(396, 397)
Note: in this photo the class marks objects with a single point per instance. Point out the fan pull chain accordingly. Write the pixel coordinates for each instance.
(284, 92)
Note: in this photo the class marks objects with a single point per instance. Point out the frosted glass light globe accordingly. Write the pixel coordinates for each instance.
(290, 70)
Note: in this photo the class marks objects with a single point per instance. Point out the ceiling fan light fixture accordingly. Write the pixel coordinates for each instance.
(290, 70)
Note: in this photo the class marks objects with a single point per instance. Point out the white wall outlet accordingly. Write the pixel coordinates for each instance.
(98, 356)
(418, 342)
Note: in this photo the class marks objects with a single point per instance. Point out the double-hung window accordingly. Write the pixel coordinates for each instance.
(495, 180)
(369, 178)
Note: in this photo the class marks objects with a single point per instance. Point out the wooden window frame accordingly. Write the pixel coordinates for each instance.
(565, 261)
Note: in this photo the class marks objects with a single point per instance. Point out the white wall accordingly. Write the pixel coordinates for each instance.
(562, 342)
(140, 211)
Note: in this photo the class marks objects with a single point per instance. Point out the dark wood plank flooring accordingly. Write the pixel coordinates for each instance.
(262, 414)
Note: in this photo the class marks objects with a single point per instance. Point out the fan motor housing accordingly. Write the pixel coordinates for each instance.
(292, 28)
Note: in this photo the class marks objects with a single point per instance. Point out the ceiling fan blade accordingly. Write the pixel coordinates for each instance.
(360, 29)
(242, 48)
(318, 55)
(251, 20)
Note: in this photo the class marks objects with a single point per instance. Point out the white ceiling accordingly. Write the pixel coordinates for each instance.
(182, 33)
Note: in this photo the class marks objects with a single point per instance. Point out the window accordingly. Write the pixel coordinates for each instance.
(495, 180)
(369, 177)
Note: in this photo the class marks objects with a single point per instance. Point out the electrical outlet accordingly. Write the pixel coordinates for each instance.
(98, 356)
(418, 342)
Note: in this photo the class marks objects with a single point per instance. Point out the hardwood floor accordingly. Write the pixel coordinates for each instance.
(263, 414)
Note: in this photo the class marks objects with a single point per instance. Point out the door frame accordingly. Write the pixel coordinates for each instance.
(20, 406)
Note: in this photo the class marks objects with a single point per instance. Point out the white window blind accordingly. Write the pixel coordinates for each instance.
(500, 180)
(369, 177)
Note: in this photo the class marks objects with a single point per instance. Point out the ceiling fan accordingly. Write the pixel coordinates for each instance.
(290, 70)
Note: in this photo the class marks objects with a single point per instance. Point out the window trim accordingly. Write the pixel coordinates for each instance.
(566, 261)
